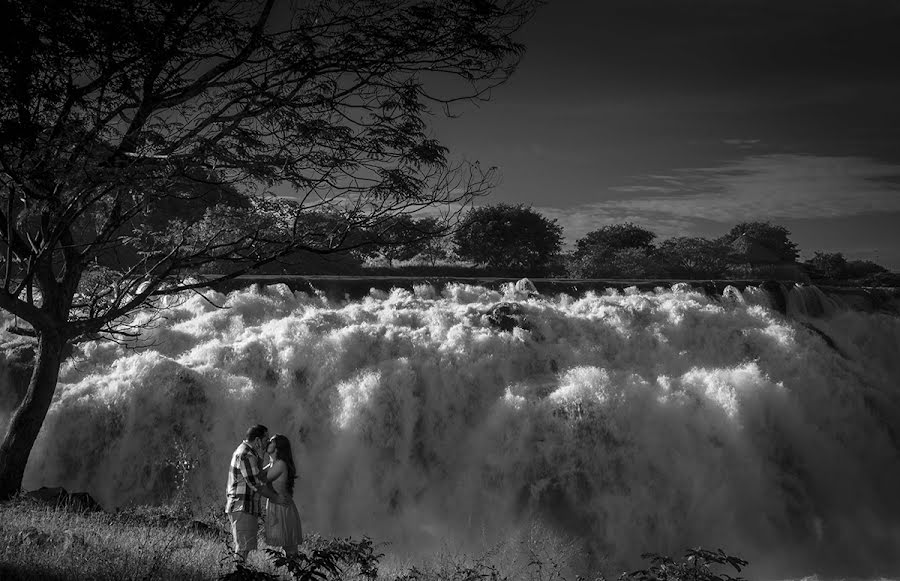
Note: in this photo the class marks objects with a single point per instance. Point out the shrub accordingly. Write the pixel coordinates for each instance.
(695, 566)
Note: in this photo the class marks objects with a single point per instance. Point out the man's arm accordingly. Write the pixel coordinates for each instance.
(254, 478)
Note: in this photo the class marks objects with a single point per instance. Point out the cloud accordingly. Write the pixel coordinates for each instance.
(765, 187)
(743, 143)
(580, 220)
(777, 186)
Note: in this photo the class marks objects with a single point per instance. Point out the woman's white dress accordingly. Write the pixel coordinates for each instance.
(283, 528)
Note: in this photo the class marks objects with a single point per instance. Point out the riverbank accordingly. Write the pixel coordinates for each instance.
(46, 543)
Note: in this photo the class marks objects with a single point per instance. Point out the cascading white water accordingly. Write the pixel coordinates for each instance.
(631, 421)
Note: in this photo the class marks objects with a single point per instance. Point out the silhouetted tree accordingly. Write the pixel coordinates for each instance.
(397, 238)
(616, 250)
(508, 238)
(435, 244)
(112, 111)
(761, 243)
(694, 257)
(834, 266)
(860, 269)
(614, 237)
(827, 265)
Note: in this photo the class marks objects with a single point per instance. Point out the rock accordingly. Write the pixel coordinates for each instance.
(61, 498)
(526, 288)
(32, 537)
(777, 295)
(507, 316)
(72, 540)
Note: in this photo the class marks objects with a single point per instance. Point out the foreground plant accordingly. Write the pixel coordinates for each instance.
(320, 559)
(695, 566)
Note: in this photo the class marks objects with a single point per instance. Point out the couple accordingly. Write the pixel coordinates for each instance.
(248, 482)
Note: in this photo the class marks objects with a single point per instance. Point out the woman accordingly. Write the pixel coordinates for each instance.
(283, 527)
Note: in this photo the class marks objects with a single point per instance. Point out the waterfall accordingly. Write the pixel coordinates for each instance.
(629, 421)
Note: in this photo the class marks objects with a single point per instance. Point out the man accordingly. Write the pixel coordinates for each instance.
(246, 487)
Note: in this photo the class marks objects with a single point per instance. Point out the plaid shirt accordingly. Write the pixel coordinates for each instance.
(243, 482)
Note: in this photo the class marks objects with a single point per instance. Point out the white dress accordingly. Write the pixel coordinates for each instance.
(283, 528)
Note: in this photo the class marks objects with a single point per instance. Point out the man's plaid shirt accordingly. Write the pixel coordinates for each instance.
(243, 482)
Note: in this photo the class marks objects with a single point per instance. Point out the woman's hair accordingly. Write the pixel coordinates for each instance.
(283, 452)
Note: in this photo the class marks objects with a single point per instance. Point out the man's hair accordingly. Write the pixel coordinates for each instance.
(257, 431)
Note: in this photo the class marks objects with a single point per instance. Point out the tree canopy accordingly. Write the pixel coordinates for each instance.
(761, 243)
(507, 237)
(614, 237)
(615, 250)
(208, 111)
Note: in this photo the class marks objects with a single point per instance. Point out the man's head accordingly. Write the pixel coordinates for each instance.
(258, 437)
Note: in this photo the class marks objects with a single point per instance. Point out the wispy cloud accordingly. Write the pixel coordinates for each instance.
(777, 186)
(645, 189)
(764, 187)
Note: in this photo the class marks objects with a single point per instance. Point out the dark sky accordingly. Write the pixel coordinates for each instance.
(688, 116)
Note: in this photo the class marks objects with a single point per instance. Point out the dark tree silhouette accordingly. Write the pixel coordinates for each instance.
(614, 237)
(613, 251)
(112, 112)
(508, 238)
(400, 238)
(760, 243)
(695, 257)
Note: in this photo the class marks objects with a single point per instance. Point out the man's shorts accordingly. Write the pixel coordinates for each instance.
(244, 530)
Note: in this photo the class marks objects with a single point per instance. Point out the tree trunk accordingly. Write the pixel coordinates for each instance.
(28, 418)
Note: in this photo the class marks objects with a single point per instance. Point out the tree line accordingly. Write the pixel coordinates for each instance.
(507, 239)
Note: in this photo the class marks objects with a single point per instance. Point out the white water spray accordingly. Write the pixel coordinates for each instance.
(632, 421)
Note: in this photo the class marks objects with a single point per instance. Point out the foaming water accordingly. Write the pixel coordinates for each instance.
(628, 421)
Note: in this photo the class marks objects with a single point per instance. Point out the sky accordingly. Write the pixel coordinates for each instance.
(687, 117)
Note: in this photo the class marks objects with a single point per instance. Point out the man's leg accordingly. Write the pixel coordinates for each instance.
(244, 531)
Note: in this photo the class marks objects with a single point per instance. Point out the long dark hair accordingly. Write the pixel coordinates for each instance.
(283, 452)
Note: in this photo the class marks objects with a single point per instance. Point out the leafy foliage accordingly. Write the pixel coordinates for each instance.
(695, 566)
(761, 243)
(508, 238)
(319, 560)
(695, 257)
(614, 237)
(404, 237)
(615, 250)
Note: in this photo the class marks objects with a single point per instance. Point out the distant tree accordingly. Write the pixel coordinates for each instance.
(110, 111)
(435, 243)
(694, 257)
(614, 237)
(616, 250)
(834, 266)
(508, 238)
(860, 269)
(761, 243)
(393, 239)
(403, 237)
(621, 263)
(827, 265)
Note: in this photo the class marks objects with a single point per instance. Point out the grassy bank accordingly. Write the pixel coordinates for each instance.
(47, 543)
(41, 542)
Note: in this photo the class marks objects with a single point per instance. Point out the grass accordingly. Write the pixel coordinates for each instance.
(40, 542)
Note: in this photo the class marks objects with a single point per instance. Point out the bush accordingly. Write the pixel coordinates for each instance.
(695, 566)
